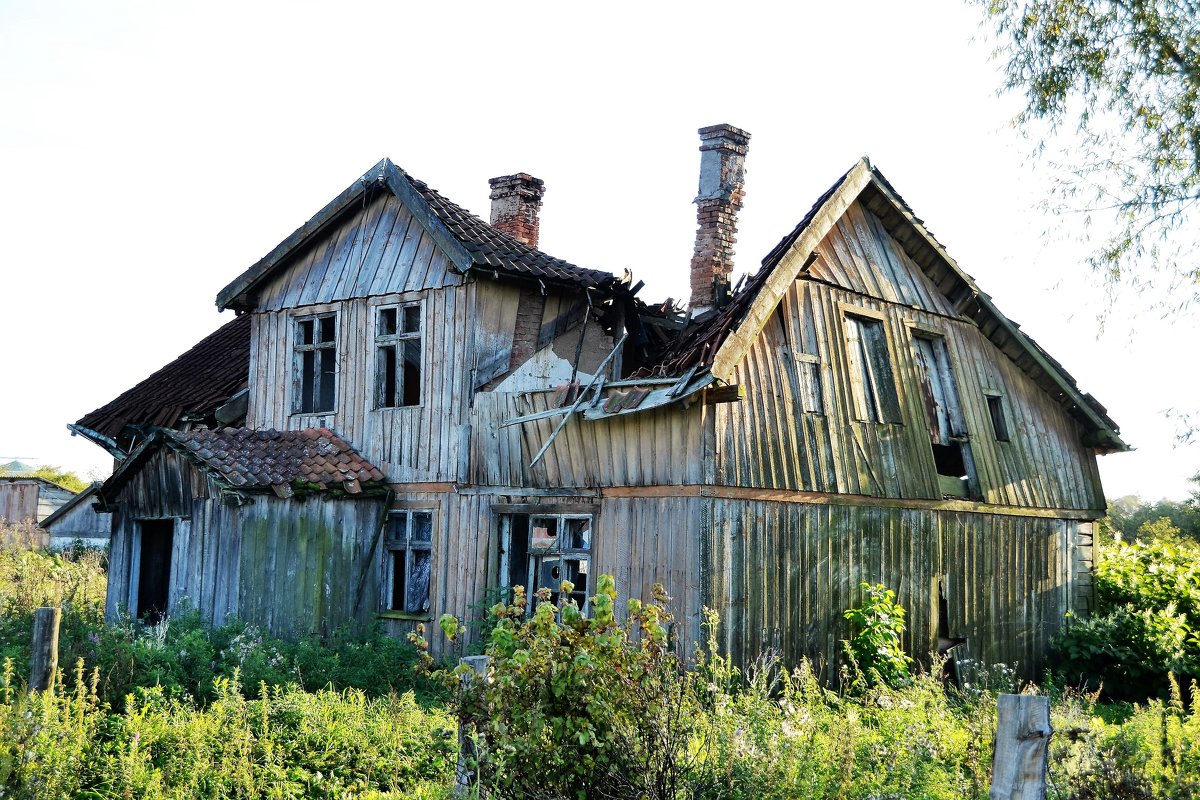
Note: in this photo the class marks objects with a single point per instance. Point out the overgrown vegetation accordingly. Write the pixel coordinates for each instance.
(874, 644)
(599, 705)
(1146, 627)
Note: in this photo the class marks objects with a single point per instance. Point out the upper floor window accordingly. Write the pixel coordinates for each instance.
(873, 387)
(408, 561)
(398, 356)
(999, 422)
(314, 364)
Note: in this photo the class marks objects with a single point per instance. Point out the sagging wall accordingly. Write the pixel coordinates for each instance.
(292, 567)
(781, 574)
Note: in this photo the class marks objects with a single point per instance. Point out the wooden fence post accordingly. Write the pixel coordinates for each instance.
(44, 662)
(1022, 744)
(465, 775)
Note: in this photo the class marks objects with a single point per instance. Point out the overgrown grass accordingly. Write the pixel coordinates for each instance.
(287, 743)
(182, 711)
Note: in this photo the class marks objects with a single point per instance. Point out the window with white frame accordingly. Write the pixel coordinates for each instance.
(541, 550)
(408, 561)
(314, 364)
(398, 356)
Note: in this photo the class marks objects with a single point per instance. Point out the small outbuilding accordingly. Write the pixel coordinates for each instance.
(77, 521)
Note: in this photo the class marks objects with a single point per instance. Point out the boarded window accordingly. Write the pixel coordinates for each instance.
(874, 388)
(398, 356)
(996, 411)
(408, 563)
(805, 375)
(314, 365)
(540, 551)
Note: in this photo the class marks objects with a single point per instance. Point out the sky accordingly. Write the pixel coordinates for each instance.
(151, 152)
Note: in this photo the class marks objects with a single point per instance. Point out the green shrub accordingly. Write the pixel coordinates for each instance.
(1147, 621)
(577, 706)
(874, 644)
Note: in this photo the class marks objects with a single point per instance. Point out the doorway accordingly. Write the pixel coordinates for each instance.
(157, 540)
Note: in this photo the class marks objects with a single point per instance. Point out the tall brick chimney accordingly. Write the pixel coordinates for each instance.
(722, 178)
(516, 200)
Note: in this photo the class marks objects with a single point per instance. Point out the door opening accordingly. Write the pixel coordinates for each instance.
(154, 569)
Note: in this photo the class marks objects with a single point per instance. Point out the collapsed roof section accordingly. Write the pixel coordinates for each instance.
(469, 242)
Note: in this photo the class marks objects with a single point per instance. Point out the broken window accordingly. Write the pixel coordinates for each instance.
(996, 411)
(947, 426)
(314, 364)
(540, 551)
(874, 388)
(398, 356)
(408, 561)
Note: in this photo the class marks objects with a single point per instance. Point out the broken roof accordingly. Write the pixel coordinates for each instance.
(719, 339)
(315, 459)
(196, 382)
(469, 242)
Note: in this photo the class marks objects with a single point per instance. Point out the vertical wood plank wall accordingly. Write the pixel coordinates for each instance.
(781, 574)
(769, 441)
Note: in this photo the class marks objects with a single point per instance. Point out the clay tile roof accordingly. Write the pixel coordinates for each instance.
(198, 381)
(492, 249)
(250, 459)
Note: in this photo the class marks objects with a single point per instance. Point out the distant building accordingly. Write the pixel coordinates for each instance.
(77, 521)
(26, 497)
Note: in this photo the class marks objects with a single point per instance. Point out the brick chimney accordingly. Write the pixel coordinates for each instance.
(516, 200)
(722, 178)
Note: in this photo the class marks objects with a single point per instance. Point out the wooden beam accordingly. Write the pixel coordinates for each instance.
(729, 393)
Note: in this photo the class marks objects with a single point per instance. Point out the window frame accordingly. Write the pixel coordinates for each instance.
(395, 548)
(998, 414)
(875, 366)
(536, 558)
(396, 342)
(323, 350)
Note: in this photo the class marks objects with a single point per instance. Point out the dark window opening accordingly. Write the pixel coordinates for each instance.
(408, 561)
(948, 437)
(154, 569)
(999, 424)
(541, 551)
(398, 357)
(315, 364)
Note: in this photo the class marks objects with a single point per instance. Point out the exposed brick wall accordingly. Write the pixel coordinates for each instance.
(516, 201)
(530, 307)
(722, 189)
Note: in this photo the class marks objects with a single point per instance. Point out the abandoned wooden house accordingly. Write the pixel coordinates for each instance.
(414, 406)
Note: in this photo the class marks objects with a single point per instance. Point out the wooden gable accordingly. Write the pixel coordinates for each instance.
(379, 248)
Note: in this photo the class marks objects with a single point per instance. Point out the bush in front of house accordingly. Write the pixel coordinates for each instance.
(1147, 621)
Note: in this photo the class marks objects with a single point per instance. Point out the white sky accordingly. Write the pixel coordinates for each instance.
(150, 152)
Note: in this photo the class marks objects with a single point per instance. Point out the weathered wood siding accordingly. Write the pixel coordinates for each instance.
(639, 540)
(660, 447)
(770, 441)
(781, 574)
(81, 523)
(18, 500)
(410, 444)
(309, 567)
(380, 250)
(291, 567)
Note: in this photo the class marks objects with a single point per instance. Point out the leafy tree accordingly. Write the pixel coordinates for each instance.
(64, 478)
(1137, 520)
(1125, 74)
